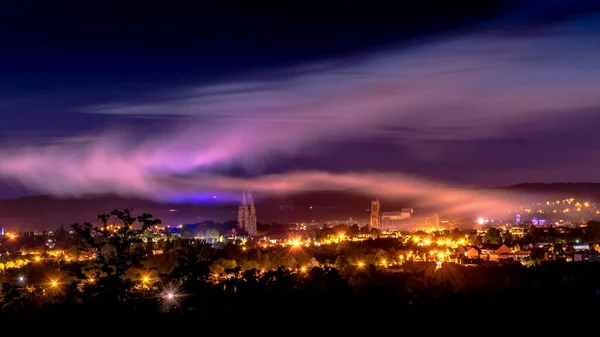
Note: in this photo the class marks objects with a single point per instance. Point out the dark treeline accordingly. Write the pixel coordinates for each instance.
(113, 290)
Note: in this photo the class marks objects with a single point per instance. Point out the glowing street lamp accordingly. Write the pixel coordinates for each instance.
(170, 295)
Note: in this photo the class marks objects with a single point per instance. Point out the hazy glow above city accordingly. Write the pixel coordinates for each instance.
(468, 89)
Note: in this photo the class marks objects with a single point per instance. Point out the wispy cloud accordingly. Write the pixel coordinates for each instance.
(467, 88)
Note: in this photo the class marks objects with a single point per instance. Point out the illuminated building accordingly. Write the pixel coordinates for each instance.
(412, 223)
(401, 221)
(535, 221)
(375, 207)
(251, 223)
(389, 220)
(242, 212)
(247, 215)
(518, 232)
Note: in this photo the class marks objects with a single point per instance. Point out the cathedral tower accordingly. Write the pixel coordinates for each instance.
(375, 206)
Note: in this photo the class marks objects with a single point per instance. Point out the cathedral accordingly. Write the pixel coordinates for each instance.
(247, 215)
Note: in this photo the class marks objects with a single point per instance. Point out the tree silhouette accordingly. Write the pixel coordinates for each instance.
(212, 234)
(593, 230)
(493, 236)
(116, 249)
(507, 238)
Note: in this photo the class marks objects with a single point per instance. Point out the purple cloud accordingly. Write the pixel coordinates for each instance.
(468, 88)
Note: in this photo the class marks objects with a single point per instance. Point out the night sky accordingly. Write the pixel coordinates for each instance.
(181, 101)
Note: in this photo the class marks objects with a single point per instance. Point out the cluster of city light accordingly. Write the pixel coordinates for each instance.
(55, 253)
(13, 264)
(432, 255)
(114, 228)
(440, 242)
(568, 205)
(337, 238)
(36, 257)
(293, 242)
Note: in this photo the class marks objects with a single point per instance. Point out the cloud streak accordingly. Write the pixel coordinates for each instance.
(466, 88)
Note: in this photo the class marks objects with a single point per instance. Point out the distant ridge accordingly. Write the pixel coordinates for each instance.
(579, 189)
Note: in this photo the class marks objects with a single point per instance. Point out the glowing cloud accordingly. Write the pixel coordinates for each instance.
(468, 88)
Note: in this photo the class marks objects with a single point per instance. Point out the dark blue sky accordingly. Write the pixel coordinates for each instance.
(71, 73)
(55, 58)
(97, 44)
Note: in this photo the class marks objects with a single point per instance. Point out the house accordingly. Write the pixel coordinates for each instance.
(588, 255)
(460, 250)
(521, 254)
(503, 249)
(489, 248)
(495, 252)
(472, 253)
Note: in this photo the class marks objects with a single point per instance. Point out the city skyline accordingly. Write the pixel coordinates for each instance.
(192, 165)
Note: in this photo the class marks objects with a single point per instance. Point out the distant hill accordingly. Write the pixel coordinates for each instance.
(37, 212)
(557, 190)
(45, 212)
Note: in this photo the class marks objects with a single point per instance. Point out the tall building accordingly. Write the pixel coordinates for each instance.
(375, 206)
(242, 212)
(251, 223)
(247, 215)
